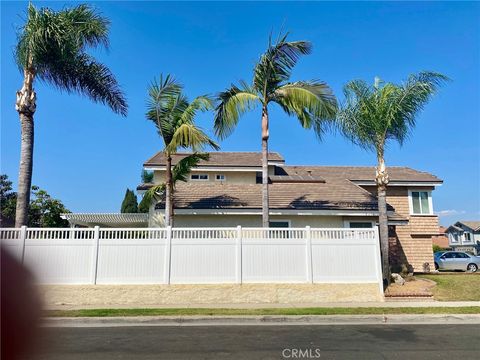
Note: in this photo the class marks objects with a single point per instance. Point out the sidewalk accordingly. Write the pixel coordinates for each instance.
(263, 320)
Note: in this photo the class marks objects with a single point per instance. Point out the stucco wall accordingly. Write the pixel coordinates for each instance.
(236, 177)
(246, 220)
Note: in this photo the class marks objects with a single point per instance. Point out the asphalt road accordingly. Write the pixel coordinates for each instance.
(262, 342)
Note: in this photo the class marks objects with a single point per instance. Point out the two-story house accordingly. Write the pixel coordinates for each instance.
(226, 191)
(465, 236)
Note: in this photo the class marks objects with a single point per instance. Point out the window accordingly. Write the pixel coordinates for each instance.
(420, 203)
(453, 237)
(459, 255)
(279, 224)
(360, 224)
(199, 177)
(220, 177)
(468, 236)
(279, 234)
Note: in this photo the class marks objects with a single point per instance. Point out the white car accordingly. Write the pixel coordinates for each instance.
(456, 260)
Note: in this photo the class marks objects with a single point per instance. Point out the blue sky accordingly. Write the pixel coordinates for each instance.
(87, 156)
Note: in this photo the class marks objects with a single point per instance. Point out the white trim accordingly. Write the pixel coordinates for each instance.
(273, 212)
(398, 183)
(212, 169)
(430, 202)
(199, 174)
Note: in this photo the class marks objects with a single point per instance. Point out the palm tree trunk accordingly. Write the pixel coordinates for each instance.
(265, 206)
(382, 182)
(168, 192)
(25, 106)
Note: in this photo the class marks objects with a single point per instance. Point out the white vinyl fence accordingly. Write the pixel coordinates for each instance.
(197, 255)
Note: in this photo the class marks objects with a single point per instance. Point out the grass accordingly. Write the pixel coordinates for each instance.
(462, 287)
(269, 311)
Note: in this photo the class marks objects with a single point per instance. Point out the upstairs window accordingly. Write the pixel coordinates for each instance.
(468, 236)
(453, 237)
(420, 203)
(220, 177)
(199, 177)
(360, 224)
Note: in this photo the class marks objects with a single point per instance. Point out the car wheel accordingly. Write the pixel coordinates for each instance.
(436, 266)
(472, 268)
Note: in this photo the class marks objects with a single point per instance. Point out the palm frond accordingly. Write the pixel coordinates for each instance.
(412, 97)
(200, 103)
(154, 194)
(232, 103)
(276, 64)
(163, 96)
(83, 75)
(312, 102)
(52, 45)
(372, 115)
(88, 27)
(190, 136)
(181, 170)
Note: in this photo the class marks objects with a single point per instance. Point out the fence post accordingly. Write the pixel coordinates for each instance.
(168, 256)
(238, 257)
(308, 253)
(23, 237)
(378, 257)
(96, 244)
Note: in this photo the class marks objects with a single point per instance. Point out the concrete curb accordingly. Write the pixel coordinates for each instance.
(263, 320)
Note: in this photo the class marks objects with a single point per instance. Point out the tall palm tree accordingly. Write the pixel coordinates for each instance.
(52, 47)
(174, 116)
(374, 115)
(311, 102)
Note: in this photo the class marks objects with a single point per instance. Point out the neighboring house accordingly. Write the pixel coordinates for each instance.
(465, 236)
(226, 191)
(441, 239)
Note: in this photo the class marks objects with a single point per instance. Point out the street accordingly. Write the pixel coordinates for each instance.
(261, 342)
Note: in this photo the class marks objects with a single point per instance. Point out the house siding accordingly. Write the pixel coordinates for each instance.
(236, 177)
(411, 243)
(200, 220)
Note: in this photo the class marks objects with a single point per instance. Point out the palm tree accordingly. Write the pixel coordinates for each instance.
(174, 116)
(52, 47)
(311, 102)
(374, 115)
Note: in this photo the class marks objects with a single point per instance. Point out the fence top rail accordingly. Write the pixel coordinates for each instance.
(57, 229)
(132, 229)
(195, 229)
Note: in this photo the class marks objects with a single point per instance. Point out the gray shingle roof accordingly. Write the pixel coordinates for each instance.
(474, 225)
(340, 194)
(361, 173)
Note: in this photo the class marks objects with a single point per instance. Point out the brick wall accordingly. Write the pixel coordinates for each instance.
(413, 242)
